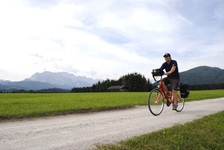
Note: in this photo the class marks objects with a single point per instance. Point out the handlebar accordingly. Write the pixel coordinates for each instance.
(157, 73)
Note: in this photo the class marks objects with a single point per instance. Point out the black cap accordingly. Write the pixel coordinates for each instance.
(166, 55)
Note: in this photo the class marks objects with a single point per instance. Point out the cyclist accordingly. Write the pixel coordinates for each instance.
(172, 78)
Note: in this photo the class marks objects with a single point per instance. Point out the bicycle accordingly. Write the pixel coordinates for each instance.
(157, 96)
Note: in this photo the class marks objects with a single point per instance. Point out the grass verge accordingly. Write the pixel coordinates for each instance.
(14, 106)
(202, 134)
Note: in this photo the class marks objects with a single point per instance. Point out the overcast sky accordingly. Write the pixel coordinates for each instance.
(108, 38)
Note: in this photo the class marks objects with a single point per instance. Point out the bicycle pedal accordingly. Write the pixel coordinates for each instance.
(168, 103)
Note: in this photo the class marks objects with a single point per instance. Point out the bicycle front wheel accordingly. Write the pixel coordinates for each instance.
(181, 102)
(156, 102)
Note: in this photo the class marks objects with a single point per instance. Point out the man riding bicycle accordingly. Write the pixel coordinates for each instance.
(172, 78)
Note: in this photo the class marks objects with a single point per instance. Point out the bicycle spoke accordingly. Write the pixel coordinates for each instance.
(156, 102)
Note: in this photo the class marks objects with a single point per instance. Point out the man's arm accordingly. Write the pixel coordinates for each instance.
(163, 66)
(171, 71)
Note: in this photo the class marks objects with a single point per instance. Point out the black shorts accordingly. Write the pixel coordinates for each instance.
(173, 82)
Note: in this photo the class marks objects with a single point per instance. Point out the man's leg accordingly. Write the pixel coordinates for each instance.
(165, 89)
(175, 97)
(174, 85)
(165, 82)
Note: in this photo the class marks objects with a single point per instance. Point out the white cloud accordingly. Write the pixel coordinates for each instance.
(105, 39)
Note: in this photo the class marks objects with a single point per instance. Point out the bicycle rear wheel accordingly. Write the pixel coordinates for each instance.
(156, 102)
(181, 102)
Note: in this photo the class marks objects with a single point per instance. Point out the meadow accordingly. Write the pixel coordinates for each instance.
(15, 106)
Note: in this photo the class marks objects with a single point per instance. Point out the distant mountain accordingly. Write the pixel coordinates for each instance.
(24, 85)
(48, 80)
(62, 79)
(203, 75)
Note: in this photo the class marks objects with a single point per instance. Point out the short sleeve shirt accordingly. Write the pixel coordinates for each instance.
(168, 67)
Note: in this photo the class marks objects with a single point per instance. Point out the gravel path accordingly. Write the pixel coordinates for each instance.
(84, 131)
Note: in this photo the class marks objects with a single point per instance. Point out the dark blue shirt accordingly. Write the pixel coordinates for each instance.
(167, 67)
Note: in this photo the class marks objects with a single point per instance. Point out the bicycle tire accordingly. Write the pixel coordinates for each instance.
(156, 102)
(181, 103)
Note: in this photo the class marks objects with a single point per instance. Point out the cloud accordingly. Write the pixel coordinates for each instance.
(42, 3)
(106, 39)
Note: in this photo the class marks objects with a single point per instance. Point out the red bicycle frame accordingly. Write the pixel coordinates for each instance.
(161, 89)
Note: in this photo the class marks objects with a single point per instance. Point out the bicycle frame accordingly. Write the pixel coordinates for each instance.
(161, 89)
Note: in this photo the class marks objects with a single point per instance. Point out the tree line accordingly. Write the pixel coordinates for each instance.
(138, 83)
(214, 86)
(135, 82)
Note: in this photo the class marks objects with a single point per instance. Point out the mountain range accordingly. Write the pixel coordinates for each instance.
(48, 80)
(64, 80)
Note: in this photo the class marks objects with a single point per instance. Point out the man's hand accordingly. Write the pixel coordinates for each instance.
(168, 73)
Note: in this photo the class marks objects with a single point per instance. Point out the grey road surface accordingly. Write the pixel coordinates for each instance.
(85, 131)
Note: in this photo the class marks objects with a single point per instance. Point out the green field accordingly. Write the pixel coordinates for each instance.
(35, 105)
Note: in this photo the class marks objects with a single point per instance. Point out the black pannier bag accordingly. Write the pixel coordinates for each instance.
(157, 72)
(184, 90)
